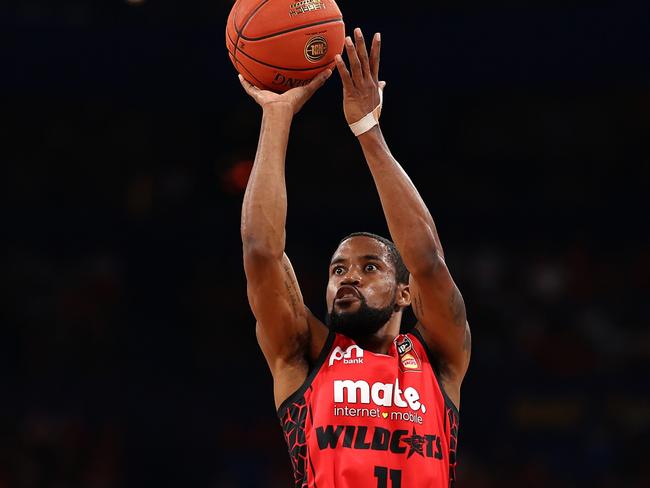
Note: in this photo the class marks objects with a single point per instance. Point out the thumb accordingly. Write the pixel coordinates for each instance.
(248, 87)
(382, 85)
(319, 80)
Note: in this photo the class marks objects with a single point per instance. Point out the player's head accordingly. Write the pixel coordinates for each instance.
(368, 284)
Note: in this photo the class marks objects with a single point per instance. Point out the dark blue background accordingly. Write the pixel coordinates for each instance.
(128, 352)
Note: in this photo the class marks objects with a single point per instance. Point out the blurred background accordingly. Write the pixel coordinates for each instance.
(128, 355)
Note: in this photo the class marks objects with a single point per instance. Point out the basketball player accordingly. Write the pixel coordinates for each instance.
(361, 405)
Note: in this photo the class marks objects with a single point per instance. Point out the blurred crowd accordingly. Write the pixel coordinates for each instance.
(555, 394)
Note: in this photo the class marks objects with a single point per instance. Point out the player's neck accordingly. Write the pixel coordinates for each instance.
(380, 341)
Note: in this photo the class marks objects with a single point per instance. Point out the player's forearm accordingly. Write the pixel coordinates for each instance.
(409, 221)
(264, 209)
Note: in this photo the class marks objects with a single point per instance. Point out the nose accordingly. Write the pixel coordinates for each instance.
(352, 277)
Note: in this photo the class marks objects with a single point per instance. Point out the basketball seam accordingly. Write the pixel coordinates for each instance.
(281, 67)
(234, 23)
(261, 85)
(242, 36)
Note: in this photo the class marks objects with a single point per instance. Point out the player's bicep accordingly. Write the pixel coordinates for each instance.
(277, 303)
(440, 309)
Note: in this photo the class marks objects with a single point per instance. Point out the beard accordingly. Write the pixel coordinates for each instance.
(364, 322)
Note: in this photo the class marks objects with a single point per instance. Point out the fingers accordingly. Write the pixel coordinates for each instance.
(362, 53)
(353, 59)
(374, 56)
(343, 73)
(318, 81)
(250, 89)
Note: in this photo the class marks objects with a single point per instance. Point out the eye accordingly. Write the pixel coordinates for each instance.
(338, 270)
(371, 267)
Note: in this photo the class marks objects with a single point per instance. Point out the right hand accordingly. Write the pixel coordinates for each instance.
(294, 98)
(361, 85)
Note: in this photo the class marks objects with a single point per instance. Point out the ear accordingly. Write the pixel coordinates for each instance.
(403, 295)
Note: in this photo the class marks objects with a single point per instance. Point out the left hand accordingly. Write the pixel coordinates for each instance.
(361, 88)
(292, 99)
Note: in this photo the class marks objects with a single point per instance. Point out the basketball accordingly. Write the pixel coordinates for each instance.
(281, 44)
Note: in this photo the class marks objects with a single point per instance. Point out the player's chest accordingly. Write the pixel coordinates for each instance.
(358, 384)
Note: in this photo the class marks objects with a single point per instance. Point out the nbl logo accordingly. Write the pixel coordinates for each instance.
(315, 49)
(409, 359)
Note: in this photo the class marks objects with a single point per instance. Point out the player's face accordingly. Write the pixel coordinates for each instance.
(361, 292)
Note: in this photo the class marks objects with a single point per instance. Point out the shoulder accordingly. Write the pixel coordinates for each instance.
(448, 382)
(319, 334)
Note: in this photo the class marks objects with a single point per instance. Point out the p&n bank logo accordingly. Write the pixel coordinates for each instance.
(352, 355)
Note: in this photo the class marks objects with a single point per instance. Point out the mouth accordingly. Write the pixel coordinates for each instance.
(347, 293)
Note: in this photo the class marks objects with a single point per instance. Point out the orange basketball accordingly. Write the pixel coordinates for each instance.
(280, 44)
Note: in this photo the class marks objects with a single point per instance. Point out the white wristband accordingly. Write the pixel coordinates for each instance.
(369, 120)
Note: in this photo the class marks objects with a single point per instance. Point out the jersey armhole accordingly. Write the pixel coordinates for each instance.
(432, 362)
(310, 377)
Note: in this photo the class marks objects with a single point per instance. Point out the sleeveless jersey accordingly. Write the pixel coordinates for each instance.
(366, 420)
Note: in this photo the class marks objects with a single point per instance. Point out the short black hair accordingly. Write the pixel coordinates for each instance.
(401, 273)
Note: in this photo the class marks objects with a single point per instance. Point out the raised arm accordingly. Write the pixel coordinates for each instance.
(285, 328)
(437, 302)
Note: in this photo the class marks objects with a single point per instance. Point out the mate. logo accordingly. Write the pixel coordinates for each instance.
(380, 394)
(315, 49)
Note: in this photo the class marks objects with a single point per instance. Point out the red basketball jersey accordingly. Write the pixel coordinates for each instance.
(366, 420)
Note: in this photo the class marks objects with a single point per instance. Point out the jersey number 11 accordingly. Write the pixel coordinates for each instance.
(382, 474)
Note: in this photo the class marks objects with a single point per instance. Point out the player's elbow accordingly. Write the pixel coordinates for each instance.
(427, 264)
(256, 250)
